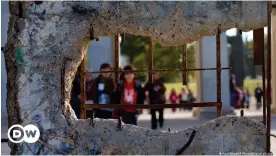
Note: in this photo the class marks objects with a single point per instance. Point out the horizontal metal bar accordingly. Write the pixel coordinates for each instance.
(150, 106)
(159, 70)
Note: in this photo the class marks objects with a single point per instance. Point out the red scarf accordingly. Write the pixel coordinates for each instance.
(129, 96)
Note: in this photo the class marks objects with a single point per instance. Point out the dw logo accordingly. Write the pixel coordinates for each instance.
(29, 133)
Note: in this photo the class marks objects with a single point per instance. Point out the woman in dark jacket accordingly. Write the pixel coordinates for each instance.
(156, 91)
(129, 91)
(102, 92)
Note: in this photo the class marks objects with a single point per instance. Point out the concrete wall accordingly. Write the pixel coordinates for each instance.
(97, 53)
(40, 92)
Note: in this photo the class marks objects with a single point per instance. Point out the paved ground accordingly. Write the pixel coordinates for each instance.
(179, 121)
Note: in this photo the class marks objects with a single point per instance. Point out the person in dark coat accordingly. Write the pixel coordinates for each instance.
(258, 95)
(157, 96)
(89, 82)
(233, 91)
(129, 91)
(102, 92)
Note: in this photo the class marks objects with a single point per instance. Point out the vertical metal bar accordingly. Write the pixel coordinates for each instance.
(123, 36)
(264, 90)
(184, 64)
(268, 76)
(150, 58)
(116, 59)
(258, 42)
(82, 84)
(259, 59)
(218, 71)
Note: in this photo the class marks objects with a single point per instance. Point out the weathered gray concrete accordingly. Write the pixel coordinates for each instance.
(47, 41)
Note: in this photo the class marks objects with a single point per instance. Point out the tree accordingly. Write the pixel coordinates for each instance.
(133, 46)
(164, 57)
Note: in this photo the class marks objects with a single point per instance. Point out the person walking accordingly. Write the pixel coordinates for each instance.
(129, 91)
(157, 96)
(247, 98)
(258, 95)
(173, 98)
(183, 97)
(191, 97)
(102, 92)
(233, 91)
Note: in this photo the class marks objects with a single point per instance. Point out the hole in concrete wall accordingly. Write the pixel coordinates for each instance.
(54, 90)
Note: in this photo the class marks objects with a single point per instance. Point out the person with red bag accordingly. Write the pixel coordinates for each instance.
(173, 98)
(129, 91)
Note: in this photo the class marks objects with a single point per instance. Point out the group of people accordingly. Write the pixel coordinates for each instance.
(185, 96)
(129, 90)
(240, 98)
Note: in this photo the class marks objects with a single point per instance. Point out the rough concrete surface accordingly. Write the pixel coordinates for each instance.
(47, 41)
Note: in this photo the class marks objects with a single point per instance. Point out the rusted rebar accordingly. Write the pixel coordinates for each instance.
(218, 70)
(150, 58)
(92, 119)
(158, 70)
(116, 59)
(259, 59)
(91, 33)
(179, 152)
(258, 44)
(184, 64)
(264, 90)
(138, 106)
(123, 38)
(268, 75)
(119, 123)
(82, 84)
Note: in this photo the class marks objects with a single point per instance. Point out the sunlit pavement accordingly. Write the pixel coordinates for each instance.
(181, 120)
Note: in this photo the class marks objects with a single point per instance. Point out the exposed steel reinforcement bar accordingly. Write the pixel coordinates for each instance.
(150, 61)
(184, 64)
(116, 59)
(139, 106)
(268, 126)
(218, 61)
(159, 70)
